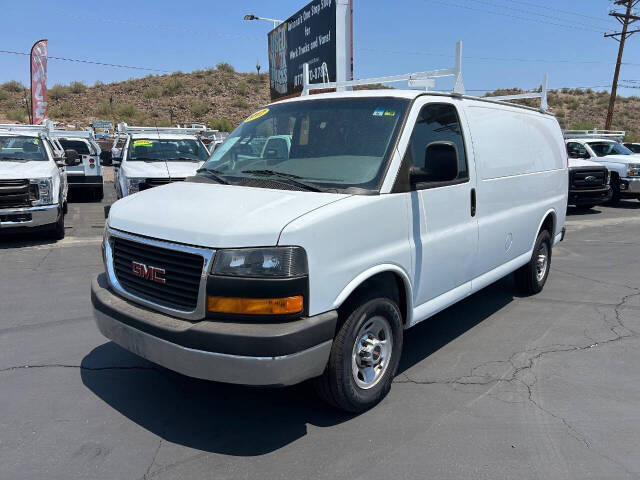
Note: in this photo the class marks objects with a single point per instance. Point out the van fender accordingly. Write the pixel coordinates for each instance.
(555, 224)
(367, 274)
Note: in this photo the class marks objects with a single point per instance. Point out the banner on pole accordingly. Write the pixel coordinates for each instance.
(39, 104)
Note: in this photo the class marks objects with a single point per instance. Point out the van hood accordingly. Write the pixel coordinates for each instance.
(214, 215)
(161, 169)
(21, 170)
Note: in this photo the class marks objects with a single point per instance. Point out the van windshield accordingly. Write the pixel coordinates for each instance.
(153, 150)
(332, 144)
(602, 149)
(21, 148)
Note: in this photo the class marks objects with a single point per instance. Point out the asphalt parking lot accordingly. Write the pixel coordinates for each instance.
(498, 386)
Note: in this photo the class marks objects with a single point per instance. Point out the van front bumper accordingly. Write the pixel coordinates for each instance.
(274, 354)
(28, 217)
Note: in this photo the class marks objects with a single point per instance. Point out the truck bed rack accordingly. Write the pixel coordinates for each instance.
(617, 135)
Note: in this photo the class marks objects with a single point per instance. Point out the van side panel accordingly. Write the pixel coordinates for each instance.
(354, 237)
(522, 175)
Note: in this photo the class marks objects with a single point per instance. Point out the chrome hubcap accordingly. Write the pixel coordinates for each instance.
(542, 262)
(371, 352)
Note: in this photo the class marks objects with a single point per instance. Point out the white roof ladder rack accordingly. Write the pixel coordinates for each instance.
(421, 79)
(123, 128)
(542, 95)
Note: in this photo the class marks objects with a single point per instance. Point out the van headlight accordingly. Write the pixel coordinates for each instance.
(269, 262)
(41, 192)
(133, 184)
(634, 170)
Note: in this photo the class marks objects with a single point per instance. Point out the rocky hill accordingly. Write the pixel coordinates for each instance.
(222, 98)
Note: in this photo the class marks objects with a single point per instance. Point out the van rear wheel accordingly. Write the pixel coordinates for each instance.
(530, 278)
(364, 357)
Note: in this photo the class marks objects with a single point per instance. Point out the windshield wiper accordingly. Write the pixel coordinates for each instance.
(294, 179)
(213, 173)
(189, 159)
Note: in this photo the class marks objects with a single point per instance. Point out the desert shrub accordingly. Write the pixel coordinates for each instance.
(126, 111)
(172, 86)
(225, 67)
(62, 110)
(199, 109)
(582, 126)
(241, 88)
(254, 78)
(98, 83)
(17, 115)
(4, 95)
(222, 124)
(239, 103)
(104, 109)
(12, 86)
(77, 87)
(573, 104)
(58, 91)
(560, 114)
(152, 92)
(163, 122)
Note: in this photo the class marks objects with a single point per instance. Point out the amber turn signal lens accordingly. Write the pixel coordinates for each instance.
(255, 306)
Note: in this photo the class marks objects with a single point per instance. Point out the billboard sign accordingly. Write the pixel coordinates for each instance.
(39, 105)
(318, 34)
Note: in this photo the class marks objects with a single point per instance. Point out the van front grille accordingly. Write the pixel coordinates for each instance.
(15, 193)
(587, 178)
(165, 277)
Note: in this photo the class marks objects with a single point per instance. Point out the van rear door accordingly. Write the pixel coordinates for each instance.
(445, 231)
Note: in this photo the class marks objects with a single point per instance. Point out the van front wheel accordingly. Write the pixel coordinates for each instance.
(364, 357)
(530, 278)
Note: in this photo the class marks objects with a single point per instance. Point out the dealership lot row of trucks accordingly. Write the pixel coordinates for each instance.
(326, 225)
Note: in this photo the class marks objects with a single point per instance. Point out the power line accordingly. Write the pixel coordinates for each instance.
(529, 12)
(92, 62)
(526, 19)
(537, 5)
(498, 59)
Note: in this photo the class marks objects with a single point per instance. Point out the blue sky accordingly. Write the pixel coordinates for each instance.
(506, 42)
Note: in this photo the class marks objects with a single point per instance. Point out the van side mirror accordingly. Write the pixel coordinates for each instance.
(71, 158)
(441, 164)
(106, 158)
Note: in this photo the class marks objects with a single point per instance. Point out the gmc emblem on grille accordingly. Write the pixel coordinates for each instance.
(590, 179)
(148, 272)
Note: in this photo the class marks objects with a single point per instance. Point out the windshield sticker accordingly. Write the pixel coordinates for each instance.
(390, 113)
(258, 114)
(142, 143)
(378, 112)
(36, 141)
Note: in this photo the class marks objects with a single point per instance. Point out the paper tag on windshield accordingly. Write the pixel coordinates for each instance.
(142, 143)
(258, 114)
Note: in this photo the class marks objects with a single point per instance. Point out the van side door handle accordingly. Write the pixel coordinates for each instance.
(473, 202)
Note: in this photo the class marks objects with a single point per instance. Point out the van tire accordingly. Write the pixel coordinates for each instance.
(529, 278)
(65, 207)
(337, 385)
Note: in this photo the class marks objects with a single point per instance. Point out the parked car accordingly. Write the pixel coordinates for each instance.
(387, 207)
(605, 148)
(146, 157)
(589, 182)
(634, 147)
(88, 175)
(33, 180)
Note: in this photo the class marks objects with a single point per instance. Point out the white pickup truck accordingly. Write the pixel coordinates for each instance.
(309, 258)
(33, 179)
(146, 157)
(604, 147)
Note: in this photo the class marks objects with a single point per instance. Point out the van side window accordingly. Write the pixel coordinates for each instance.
(576, 150)
(438, 123)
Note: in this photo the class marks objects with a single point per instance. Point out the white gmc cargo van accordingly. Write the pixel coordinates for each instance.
(307, 258)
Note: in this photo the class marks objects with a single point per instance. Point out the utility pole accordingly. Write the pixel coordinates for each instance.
(625, 19)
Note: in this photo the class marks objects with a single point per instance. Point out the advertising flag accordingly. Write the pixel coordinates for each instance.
(39, 81)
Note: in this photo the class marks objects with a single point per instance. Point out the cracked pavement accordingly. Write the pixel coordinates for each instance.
(498, 386)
